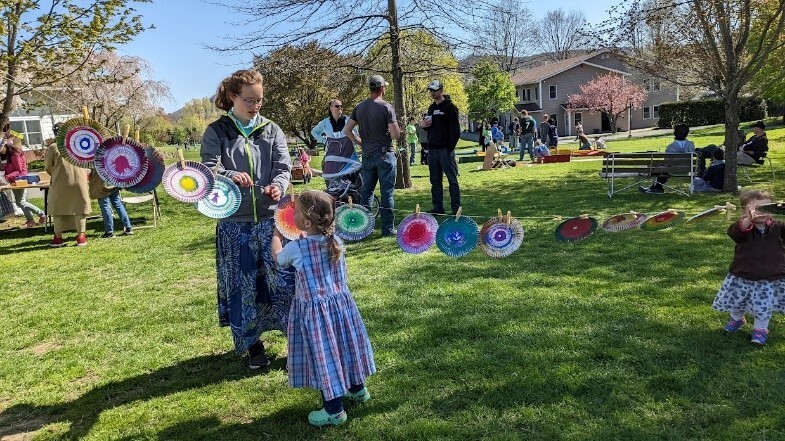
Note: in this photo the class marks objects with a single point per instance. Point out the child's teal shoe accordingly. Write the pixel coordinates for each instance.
(321, 418)
(361, 396)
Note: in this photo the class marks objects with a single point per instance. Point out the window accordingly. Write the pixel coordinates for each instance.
(552, 92)
(655, 110)
(655, 86)
(32, 131)
(578, 118)
(646, 113)
(536, 94)
(605, 56)
(647, 84)
(527, 96)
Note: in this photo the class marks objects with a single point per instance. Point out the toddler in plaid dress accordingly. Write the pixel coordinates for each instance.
(756, 280)
(329, 348)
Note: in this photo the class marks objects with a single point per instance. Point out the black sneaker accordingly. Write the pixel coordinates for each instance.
(128, 232)
(107, 235)
(392, 232)
(651, 190)
(258, 361)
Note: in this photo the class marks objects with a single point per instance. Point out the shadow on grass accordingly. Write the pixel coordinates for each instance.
(84, 411)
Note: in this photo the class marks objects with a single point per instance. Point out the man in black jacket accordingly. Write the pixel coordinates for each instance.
(443, 133)
(754, 148)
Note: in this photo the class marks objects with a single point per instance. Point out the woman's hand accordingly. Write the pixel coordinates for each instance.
(242, 179)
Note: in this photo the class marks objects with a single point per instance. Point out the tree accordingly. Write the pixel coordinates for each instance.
(351, 28)
(504, 32)
(560, 33)
(299, 81)
(195, 116)
(157, 129)
(610, 94)
(490, 91)
(720, 47)
(117, 90)
(42, 43)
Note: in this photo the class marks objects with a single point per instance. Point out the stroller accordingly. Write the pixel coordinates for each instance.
(341, 172)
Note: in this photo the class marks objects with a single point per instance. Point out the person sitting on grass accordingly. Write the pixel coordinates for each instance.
(584, 142)
(540, 151)
(714, 178)
(756, 279)
(329, 348)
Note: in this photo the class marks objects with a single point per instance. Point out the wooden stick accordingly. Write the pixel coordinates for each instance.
(85, 113)
(417, 209)
(458, 213)
(182, 158)
(509, 218)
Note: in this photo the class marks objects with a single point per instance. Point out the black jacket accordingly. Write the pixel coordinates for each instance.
(758, 256)
(445, 130)
(759, 145)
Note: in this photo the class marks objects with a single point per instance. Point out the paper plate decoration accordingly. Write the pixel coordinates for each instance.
(353, 222)
(576, 229)
(663, 220)
(417, 233)
(623, 222)
(284, 218)
(775, 208)
(78, 140)
(223, 201)
(457, 237)
(704, 214)
(121, 162)
(500, 237)
(188, 181)
(155, 172)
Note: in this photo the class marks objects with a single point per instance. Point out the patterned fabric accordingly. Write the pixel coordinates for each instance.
(254, 294)
(758, 297)
(329, 348)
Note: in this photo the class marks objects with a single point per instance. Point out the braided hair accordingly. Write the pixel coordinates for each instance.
(317, 206)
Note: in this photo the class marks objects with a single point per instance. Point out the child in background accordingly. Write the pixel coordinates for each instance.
(329, 348)
(498, 136)
(487, 137)
(756, 280)
(411, 139)
(11, 146)
(540, 151)
(599, 143)
(109, 197)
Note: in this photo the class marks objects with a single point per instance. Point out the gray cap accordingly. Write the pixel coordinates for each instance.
(377, 81)
(436, 85)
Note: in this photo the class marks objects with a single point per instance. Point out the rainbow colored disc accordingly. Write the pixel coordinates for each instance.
(353, 222)
(457, 238)
(155, 172)
(623, 222)
(663, 220)
(497, 239)
(78, 140)
(576, 229)
(417, 233)
(191, 183)
(284, 219)
(121, 162)
(223, 201)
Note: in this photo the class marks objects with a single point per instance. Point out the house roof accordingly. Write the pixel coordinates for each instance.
(545, 71)
(529, 107)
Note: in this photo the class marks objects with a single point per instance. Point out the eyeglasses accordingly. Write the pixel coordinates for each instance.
(338, 106)
(252, 101)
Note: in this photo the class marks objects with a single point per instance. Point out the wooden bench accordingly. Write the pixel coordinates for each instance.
(648, 165)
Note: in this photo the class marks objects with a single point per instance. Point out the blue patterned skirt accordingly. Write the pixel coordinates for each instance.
(759, 297)
(254, 294)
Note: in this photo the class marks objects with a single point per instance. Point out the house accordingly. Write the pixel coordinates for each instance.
(544, 89)
(37, 125)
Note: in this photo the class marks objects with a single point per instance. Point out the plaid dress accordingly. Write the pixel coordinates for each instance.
(254, 294)
(329, 349)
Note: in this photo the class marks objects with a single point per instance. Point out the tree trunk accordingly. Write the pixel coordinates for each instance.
(403, 178)
(731, 140)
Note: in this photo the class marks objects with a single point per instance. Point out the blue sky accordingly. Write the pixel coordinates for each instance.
(175, 48)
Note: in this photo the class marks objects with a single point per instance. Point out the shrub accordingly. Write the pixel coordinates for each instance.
(709, 111)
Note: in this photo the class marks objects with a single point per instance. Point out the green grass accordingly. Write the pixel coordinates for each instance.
(610, 338)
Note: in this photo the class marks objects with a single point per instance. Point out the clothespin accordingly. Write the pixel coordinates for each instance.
(126, 131)
(351, 204)
(291, 191)
(458, 213)
(509, 218)
(85, 113)
(634, 213)
(584, 216)
(182, 158)
(499, 214)
(136, 135)
(417, 209)
(672, 210)
(557, 218)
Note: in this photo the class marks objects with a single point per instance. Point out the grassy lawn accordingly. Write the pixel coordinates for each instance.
(610, 338)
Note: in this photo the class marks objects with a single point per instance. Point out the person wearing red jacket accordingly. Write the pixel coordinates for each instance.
(11, 146)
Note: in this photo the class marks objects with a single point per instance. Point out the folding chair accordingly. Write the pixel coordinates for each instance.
(759, 163)
(151, 198)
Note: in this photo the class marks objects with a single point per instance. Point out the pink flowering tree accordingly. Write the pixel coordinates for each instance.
(611, 94)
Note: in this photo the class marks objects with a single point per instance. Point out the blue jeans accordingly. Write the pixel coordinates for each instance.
(443, 161)
(28, 208)
(413, 147)
(380, 166)
(528, 143)
(106, 204)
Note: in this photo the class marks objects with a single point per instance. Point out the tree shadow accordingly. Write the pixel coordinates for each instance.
(83, 412)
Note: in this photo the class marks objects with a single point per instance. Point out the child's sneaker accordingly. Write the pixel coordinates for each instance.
(735, 325)
(28, 224)
(759, 336)
(57, 242)
(42, 219)
(321, 418)
(361, 396)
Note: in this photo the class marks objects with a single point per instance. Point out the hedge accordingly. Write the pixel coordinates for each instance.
(709, 111)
